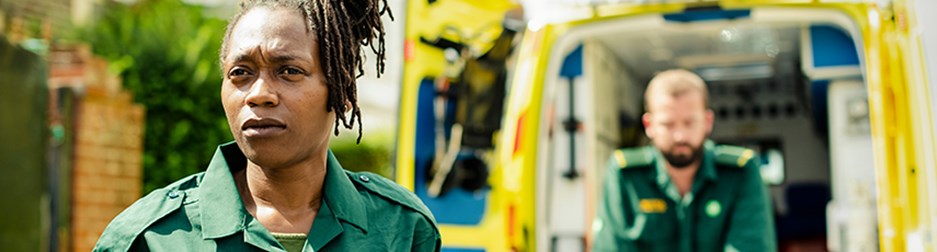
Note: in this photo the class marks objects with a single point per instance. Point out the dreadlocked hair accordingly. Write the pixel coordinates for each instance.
(342, 28)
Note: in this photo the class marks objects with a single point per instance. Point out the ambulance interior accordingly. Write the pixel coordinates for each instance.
(787, 83)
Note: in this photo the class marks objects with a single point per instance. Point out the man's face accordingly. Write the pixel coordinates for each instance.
(274, 91)
(678, 126)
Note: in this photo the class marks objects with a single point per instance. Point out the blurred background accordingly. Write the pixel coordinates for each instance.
(104, 101)
(500, 115)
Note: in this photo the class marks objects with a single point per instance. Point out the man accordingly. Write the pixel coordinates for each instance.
(290, 70)
(684, 193)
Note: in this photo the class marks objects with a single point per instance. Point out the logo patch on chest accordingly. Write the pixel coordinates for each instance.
(653, 206)
(713, 208)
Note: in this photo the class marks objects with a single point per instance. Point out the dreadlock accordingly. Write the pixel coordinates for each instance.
(342, 27)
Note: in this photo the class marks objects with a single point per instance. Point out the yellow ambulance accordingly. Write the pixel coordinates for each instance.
(510, 110)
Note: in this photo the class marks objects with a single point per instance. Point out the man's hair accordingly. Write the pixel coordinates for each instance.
(675, 83)
(341, 27)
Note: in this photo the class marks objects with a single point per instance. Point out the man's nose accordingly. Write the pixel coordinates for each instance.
(262, 93)
(679, 135)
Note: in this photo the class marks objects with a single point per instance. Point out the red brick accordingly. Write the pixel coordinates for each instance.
(108, 155)
(81, 182)
(111, 168)
(82, 197)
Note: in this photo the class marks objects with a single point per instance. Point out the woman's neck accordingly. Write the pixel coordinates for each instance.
(284, 199)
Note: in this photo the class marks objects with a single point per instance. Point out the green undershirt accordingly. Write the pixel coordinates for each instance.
(291, 242)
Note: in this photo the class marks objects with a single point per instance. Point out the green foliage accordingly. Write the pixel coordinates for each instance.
(373, 155)
(167, 55)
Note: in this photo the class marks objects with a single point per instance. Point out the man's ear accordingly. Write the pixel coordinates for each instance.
(646, 120)
(710, 119)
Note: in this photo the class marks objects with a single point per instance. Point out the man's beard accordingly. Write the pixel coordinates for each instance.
(683, 161)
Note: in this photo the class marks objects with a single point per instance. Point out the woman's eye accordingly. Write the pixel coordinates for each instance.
(291, 71)
(238, 72)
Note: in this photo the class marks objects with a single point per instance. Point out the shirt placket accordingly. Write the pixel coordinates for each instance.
(684, 215)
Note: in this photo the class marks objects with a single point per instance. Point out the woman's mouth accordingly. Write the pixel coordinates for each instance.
(262, 127)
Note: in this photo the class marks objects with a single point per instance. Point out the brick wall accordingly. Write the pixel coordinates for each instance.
(108, 161)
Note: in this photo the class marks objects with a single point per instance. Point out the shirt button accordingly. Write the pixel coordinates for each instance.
(173, 194)
(364, 178)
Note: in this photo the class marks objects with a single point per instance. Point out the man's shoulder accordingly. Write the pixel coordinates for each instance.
(731, 156)
(389, 192)
(123, 229)
(633, 158)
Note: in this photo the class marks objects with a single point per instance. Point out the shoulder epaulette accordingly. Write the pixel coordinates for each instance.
(732, 156)
(391, 191)
(124, 229)
(633, 157)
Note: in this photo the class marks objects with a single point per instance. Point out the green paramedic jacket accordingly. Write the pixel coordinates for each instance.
(727, 208)
(203, 212)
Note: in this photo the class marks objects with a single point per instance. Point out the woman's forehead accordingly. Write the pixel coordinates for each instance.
(269, 21)
(270, 31)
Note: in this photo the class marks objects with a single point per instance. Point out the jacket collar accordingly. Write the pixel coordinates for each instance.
(343, 197)
(223, 213)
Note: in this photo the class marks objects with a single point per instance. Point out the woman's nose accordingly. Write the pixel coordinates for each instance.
(262, 94)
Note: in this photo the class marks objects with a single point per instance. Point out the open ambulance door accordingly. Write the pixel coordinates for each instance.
(454, 83)
(832, 94)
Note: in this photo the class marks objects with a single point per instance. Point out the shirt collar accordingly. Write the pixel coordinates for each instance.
(223, 213)
(708, 166)
(342, 196)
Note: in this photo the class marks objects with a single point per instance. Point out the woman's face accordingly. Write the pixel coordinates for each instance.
(274, 92)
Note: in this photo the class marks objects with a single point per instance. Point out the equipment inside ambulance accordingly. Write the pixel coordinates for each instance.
(468, 106)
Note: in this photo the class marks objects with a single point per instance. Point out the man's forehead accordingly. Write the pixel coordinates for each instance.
(687, 102)
(681, 99)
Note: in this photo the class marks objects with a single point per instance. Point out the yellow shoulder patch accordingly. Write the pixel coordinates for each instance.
(746, 155)
(728, 155)
(633, 157)
(620, 158)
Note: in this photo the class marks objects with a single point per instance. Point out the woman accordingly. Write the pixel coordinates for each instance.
(290, 77)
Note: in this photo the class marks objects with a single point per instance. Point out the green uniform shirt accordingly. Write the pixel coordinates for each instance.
(727, 208)
(204, 212)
